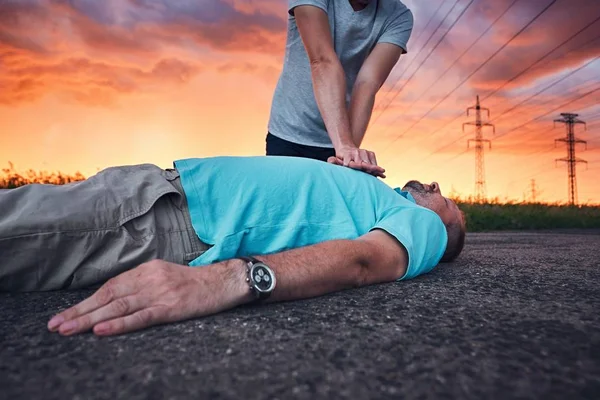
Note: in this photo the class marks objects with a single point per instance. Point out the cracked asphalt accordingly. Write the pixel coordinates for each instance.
(517, 316)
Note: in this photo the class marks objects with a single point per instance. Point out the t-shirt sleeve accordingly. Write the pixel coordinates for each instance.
(398, 29)
(322, 4)
(421, 232)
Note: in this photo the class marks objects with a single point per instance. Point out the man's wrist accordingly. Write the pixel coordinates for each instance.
(235, 282)
(341, 143)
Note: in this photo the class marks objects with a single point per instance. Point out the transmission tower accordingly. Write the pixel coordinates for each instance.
(570, 120)
(533, 191)
(480, 190)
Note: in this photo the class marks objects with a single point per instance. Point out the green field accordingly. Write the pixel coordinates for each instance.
(527, 216)
(489, 216)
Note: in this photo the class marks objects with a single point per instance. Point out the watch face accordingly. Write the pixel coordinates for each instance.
(262, 277)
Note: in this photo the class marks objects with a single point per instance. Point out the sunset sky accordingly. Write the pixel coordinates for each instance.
(88, 84)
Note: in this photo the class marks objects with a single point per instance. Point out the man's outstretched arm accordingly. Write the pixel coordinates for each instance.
(375, 70)
(371, 77)
(329, 86)
(160, 292)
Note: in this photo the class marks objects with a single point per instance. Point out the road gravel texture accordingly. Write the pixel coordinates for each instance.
(516, 317)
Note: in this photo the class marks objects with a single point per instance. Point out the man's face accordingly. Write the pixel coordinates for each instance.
(430, 196)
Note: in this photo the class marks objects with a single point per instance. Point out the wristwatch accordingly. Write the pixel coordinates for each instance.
(260, 278)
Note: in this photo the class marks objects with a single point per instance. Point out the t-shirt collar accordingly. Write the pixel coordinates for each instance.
(405, 194)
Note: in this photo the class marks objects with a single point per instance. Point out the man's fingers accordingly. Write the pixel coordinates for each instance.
(379, 173)
(359, 159)
(358, 156)
(374, 170)
(372, 158)
(142, 319)
(374, 167)
(347, 159)
(108, 292)
(335, 160)
(364, 157)
(119, 307)
(376, 173)
(370, 168)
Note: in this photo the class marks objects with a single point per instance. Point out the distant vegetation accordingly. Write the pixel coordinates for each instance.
(11, 179)
(495, 215)
(489, 216)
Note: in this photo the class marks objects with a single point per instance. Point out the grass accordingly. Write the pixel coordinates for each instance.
(492, 215)
(496, 216)
(11, 179)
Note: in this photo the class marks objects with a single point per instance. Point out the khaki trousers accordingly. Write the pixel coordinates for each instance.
(81, 234)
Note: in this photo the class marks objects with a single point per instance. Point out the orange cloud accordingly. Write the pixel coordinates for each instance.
(93, 83)
(93, 54)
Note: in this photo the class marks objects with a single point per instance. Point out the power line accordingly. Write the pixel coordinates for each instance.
(538, 93)
(546, 149)
(549, 100)
(591, 129)
(560, 45)
(570, 119)
(527, 140)
(594, 115)
(414, 58)
(528, 68)
(457, 155)
(547, 87)
(462, 55)
(528, 156)
(552, 148)
(504, 134)
(539, 171)
(539, 152)
(427, 57)
(550, 112)
(477, 69)
(420, 47)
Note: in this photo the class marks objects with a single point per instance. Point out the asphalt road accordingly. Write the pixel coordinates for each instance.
(517, 317)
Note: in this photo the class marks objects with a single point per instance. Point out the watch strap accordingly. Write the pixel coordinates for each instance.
(249, 260)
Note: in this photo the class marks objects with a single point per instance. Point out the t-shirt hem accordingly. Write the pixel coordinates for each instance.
(295, 3)
(403, 242)
(402, 45)
(302, 142)
(189, 186)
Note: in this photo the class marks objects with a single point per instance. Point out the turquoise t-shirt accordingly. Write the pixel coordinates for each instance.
(267, 204)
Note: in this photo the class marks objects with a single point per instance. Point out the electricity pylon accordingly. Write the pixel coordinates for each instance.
(570, 120)
(480, 186)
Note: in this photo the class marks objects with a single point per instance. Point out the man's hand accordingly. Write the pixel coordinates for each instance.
(153, 293)
(360, 159)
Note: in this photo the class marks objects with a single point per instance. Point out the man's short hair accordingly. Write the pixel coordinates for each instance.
(456, 238)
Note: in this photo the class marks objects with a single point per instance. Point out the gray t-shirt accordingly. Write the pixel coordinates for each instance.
(295, 115)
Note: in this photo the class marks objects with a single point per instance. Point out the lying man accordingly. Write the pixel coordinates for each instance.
(257, 229)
